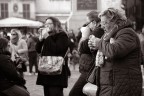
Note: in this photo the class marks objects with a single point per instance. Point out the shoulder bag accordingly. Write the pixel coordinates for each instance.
(51, 65)
(91, 88)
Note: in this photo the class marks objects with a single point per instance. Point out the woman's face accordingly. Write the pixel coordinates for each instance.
(106, 24)
(14, 35)
(49, 24)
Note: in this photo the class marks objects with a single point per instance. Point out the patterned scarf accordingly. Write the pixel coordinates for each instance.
(99, 59)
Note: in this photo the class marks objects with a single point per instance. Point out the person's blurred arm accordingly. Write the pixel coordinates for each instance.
(28, 42)
(24, 48)
(39, 45)
(120, 47)
(85, 35)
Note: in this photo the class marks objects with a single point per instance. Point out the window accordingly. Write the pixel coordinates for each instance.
(86, 4)
(26, 11)
(4, 10)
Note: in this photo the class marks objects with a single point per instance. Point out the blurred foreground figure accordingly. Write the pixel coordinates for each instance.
(118, 56)
(11, 83)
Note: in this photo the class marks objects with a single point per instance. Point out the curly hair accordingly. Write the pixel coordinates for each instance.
(114, 15)
(57, 24)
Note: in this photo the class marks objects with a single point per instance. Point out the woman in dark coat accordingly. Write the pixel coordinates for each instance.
(11, 83)
(54, 42)
(87, 59)
(118, 56)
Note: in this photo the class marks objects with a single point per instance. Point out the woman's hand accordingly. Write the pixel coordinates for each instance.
(85, 32)
(93, 42)
(43, 33)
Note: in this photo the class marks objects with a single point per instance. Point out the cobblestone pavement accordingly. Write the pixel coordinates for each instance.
(37, 90)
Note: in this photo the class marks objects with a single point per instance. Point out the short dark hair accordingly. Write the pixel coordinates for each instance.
(93, 16)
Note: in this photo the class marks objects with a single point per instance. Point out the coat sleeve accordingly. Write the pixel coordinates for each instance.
(124, 43)
(24, 47)
(39, 46)
(84, 47)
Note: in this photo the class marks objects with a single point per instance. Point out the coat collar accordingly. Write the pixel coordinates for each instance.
(116, 28)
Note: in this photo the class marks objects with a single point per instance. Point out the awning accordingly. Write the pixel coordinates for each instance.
(19, 22)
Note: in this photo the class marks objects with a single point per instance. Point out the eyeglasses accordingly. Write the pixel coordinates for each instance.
(47, 24)
(13, 34)
(104, 22)
(89, 22)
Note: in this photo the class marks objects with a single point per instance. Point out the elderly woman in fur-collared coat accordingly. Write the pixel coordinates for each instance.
(118, 56)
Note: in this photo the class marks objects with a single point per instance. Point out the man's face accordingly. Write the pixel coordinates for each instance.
(91, 24)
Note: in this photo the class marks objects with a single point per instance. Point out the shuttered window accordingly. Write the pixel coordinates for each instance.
(26, 11)
(4, 10)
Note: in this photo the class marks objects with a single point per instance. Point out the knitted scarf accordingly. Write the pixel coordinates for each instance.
(99, 60)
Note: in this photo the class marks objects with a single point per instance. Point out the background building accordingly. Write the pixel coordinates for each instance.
(17, 8)
(58, 8)
(79, 10)
(72, 13)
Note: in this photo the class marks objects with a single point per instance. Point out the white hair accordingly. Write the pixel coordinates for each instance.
(113, 14)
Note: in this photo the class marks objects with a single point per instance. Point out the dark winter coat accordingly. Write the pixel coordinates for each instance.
(8, 73)
(54, 45)
(121, 73)
(87, 57)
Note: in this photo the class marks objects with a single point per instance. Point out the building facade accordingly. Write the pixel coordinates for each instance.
(72, 13)
(57, 8)
(79, 10)
(17, 8)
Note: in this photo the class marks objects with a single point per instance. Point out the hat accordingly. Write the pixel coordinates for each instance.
(3, 43)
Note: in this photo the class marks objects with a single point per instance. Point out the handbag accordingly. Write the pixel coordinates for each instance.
(20, 63)
(91, 88)
(51, 65)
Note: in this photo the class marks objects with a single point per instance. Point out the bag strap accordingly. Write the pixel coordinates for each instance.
(66, 52)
